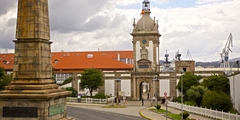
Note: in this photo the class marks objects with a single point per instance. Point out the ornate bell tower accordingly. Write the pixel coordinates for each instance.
(146, 55)
(146, 41)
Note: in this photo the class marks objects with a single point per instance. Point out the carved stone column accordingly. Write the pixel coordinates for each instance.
(32, 93)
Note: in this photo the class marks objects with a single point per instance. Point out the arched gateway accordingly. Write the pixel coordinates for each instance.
(146, 55)
(144, 80)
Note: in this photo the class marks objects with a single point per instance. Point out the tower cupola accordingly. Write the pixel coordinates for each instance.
(146, 5)
(146, 23)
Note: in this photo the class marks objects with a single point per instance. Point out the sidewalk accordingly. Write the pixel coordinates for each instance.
(156, 116)
(137, 109)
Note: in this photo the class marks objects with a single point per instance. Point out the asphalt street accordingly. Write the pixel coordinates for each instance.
(83, 113)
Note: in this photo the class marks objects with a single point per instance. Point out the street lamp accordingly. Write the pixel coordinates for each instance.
(237, 62)
(156, 76)
(117, 99)
(182, 71)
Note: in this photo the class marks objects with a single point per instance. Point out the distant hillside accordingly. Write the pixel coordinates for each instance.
(208, 64)
(215, 64)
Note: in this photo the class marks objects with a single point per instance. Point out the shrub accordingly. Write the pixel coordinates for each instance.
(177, 99)
(217, 101)
(191, 103)
(74, 92)
(100, 96)
(185, 115)
(157, 106)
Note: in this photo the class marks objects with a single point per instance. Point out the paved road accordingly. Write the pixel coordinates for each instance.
(97, 113)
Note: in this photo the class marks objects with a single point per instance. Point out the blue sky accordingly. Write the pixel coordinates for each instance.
(164, 5)
(176, 3)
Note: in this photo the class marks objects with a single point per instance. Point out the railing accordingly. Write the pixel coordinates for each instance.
(87, 100)
(206, 112)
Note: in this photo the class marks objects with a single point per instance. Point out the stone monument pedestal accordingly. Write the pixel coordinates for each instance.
(35, 102)
(33, 94)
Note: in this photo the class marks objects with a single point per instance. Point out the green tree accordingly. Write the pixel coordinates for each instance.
(2, 72)
(196, 93)
(54, 75)
(218, 83)
(189, 79)
(74, 92)
(4, 79)
(217, 101)
(91, 79)
(66, 81)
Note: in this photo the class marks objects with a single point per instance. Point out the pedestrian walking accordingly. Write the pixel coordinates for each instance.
(142, 100)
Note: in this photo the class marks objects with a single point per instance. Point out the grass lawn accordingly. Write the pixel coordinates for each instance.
(159, 111)
(174, 116)
(170, 115)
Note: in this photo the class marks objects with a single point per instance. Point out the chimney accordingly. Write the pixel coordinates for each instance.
(118, 55)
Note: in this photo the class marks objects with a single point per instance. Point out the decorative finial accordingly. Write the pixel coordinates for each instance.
(154, 23)
(134, 24)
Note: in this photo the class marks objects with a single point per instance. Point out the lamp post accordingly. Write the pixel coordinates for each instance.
(156, 76)
(237, 62)
(117, 99)
(182, 71)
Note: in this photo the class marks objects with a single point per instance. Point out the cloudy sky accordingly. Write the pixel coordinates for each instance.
(200, 26)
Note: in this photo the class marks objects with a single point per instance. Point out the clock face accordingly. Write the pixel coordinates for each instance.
(144, 41)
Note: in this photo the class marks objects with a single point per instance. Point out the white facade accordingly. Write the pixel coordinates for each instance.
(164, 87)
(125, 87)
(234, 90)
(138, 54)
(109, 87)
(150, 51)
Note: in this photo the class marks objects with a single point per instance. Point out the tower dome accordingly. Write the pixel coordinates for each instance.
(146, 22)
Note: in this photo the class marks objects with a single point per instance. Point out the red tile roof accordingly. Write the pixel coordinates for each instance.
(81, 60)
(7, 61)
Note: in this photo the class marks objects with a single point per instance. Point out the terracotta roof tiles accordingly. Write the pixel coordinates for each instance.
(81, 60)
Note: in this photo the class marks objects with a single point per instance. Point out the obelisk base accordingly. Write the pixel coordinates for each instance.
(33, 102)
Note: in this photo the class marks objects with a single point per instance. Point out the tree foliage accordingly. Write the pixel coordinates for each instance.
(4, 79)
(218, 83)
(66, 81)
(217, 101)
(91, 79)
(74, 92)
(189, 79)
(196, 93)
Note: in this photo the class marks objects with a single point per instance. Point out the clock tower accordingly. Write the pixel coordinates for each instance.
(145, 39)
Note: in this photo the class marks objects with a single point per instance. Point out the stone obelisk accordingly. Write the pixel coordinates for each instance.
(32, 94)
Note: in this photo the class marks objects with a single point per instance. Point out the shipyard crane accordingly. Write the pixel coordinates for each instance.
(177, 56)
(224, 63)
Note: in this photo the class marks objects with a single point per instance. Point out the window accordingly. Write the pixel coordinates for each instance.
(60, 77)
(89, 55)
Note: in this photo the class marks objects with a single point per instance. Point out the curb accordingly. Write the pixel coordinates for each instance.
(140, 112)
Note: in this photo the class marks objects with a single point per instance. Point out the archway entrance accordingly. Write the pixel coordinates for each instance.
(144, 90)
